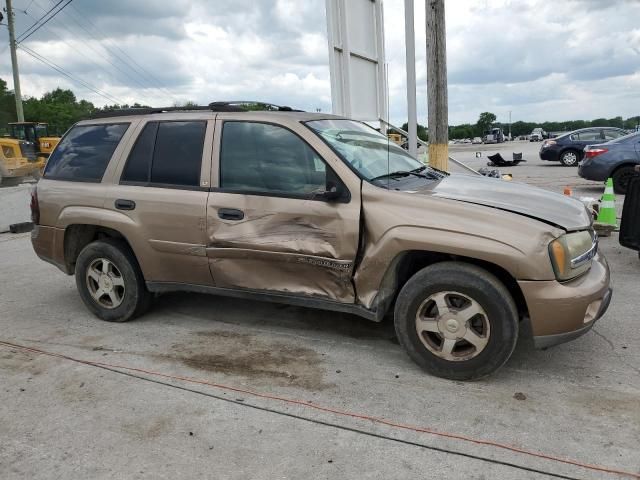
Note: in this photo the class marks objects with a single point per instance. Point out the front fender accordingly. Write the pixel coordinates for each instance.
(379, 257)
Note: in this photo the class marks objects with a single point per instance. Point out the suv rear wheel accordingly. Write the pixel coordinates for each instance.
(110, 282)
(456, 321)
(569, 158)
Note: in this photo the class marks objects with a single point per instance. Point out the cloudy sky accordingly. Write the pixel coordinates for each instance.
(541, 59)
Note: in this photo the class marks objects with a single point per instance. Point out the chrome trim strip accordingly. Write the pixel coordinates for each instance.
(586, 256)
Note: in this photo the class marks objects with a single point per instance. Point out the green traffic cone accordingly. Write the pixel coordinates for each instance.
(607, 213)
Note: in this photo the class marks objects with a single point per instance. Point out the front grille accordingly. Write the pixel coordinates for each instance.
(28, 150)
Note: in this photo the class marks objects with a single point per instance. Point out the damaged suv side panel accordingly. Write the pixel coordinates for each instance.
(268, 225)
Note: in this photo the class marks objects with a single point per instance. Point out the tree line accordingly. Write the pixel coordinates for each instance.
(487, 120)
(60, 109)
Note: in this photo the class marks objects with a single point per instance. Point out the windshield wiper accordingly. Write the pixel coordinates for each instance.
(401, 173)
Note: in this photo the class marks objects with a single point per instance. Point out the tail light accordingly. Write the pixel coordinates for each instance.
(35, 206)
(594, 152)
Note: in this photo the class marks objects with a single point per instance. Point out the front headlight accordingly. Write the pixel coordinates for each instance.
(571, 254)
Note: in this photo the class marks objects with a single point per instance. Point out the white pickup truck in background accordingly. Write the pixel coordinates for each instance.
(537, 135)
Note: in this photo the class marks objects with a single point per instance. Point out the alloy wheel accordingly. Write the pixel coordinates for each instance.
(453, 326)
(569, 158)
(105, 283)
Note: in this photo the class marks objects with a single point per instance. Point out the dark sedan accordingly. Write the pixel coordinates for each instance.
(568, 148)
(615, 159)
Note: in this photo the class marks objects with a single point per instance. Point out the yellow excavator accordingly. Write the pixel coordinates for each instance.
(25, 151)
(36, 134)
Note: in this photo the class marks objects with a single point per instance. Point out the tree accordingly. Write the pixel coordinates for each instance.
(7, 106)
(485, 121)
(422, 131)
(59, 108)
(457, 132)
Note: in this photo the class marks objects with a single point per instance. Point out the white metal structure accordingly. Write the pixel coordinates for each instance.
(410, 46)
(355, 30)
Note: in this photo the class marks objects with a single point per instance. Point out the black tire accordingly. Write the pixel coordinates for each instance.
(10, 181)
(479, 285)
(621, 178)
(570, 158)
(135, 299)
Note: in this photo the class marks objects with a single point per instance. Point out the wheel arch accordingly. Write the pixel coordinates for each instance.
(571, 148)
(618, 166)
(407, 263)
(77, 236)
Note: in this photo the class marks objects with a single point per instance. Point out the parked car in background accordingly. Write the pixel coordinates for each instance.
(615, 159)
(537, 135)
(568, 148)
(476, 140)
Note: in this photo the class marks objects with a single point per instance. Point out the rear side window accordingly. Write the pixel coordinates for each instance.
(587, 135)
(84, 152)
(138, 165)
(167, 153)
(613, 134)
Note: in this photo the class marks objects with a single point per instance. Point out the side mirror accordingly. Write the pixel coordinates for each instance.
(332, 193)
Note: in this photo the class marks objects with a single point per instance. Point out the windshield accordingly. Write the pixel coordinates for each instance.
(368, 151)
(42, 130)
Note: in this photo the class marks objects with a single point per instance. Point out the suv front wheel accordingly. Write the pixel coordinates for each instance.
(456, 321)
(110, 282)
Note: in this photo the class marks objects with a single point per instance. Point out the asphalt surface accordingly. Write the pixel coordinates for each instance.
(63, 419)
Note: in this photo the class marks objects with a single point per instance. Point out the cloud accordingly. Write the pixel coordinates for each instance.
(541, 60)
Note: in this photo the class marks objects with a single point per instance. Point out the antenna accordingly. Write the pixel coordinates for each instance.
(386, 74)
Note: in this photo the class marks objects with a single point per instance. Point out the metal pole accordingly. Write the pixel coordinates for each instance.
(437, 85)
(509, 125)
(14, 63)
(410, 45)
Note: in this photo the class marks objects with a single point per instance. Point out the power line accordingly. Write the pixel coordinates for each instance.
(131, 65)
(124, 57)
(40, 19)
(89, 46)
(60, 70)
(31, 30)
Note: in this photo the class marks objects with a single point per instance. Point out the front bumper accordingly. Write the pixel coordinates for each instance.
(560, 312)
(549, 154)
(544, 341)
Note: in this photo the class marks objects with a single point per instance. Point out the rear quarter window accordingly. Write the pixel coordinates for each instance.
(84, 152)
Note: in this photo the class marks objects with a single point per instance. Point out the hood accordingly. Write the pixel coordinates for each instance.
(553, 208)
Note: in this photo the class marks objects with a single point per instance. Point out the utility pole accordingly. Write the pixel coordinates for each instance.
(437, 85)
(14, 63)
(509, 124)
(410, 46)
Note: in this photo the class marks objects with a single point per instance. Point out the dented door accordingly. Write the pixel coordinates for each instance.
(267, 227)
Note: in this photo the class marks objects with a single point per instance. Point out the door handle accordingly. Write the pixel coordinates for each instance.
(230, 214)
(122, 204)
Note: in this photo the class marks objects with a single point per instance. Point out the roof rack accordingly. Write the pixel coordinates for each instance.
(227, 106)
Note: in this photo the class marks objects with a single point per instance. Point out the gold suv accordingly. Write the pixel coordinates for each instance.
(320, 211)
